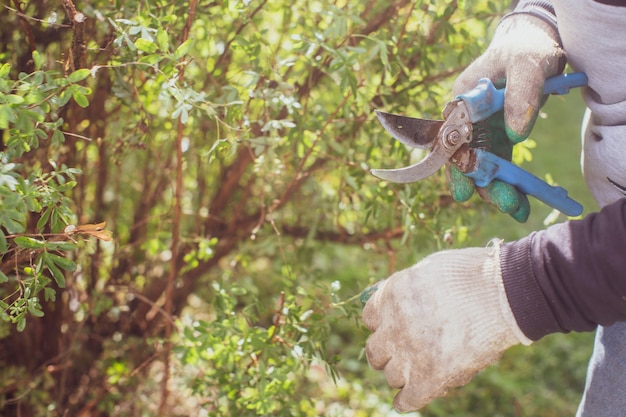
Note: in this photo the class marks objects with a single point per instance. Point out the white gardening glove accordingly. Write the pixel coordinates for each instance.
(524, 51)
(439, 322)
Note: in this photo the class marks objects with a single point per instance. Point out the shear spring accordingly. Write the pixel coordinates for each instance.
(480, 135)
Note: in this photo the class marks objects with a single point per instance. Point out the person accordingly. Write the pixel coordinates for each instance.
(437, 323)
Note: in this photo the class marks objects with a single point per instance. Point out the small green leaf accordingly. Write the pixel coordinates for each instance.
(67, 186)
(146, 45)
(57, 274)
(80, 99)
(49, 294)
(43, 220)
(3, 278)
(34, 308)
(7, 116)
(4, 70)
(151, 59)
(35, 312)
(29, 242)
(3, 243)
(37, 59)
(64, 97)
(14, 99)
(65, 246)
(21, 323)
(62, 262)
(79, 75)
(163, 39)
(183, 49)
(58, 137)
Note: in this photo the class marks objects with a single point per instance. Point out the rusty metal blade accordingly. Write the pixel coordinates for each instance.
(423, 169)
(416, 133)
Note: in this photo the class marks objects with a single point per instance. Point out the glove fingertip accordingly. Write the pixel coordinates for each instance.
(461, 186)
(521, 132)
(523, 211)
(523, 97)
(408, 400)
(508, 200)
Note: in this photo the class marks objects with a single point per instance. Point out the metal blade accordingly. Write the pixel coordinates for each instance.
(416, 133)
(423, 169)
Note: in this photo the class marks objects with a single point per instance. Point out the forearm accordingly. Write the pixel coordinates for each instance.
(570, 277)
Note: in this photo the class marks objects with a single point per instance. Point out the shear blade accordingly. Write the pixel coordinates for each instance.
(423, 169)
(416, 133)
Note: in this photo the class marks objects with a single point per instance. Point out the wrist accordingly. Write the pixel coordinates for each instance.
(528, 305)
(475, 286)
(514, 331)
(540, 9)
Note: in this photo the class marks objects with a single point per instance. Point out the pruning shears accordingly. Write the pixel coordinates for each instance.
(449, 141)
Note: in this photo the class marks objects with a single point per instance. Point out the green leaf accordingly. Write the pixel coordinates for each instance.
(151, 59)
(29, 242)
(37, 59)
(34, 308)
(67, 186)
(64, 246)
(146, 45)
(3, 278)
(80, 99)
(43, 220)
(21, 323)
(35, 311)
(57, 274)
(163, 39)
(3, 243)
(58, 137)
(7, 116)
(14, 99)
(49, 294)
(64, 97)
(65, 263)
(183, 49)
(4, 70)
(79, 75)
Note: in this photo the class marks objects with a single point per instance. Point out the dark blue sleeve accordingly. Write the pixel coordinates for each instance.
(569, 277)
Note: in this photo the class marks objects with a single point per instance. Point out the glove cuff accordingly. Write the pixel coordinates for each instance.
(539, 9)
(505, 307)
(474, 285)
(544, 11)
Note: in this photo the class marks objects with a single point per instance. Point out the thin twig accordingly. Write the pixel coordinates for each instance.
(25, 25)
(34, 19)
(155, 306)
(178, 192)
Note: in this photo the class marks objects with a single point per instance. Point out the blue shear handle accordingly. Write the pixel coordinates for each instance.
(490, 167)
(484, 100)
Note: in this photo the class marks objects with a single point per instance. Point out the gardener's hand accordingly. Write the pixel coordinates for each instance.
(438, 323)
(524, 51)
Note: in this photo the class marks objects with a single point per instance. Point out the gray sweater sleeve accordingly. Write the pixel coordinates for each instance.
(569, 277)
